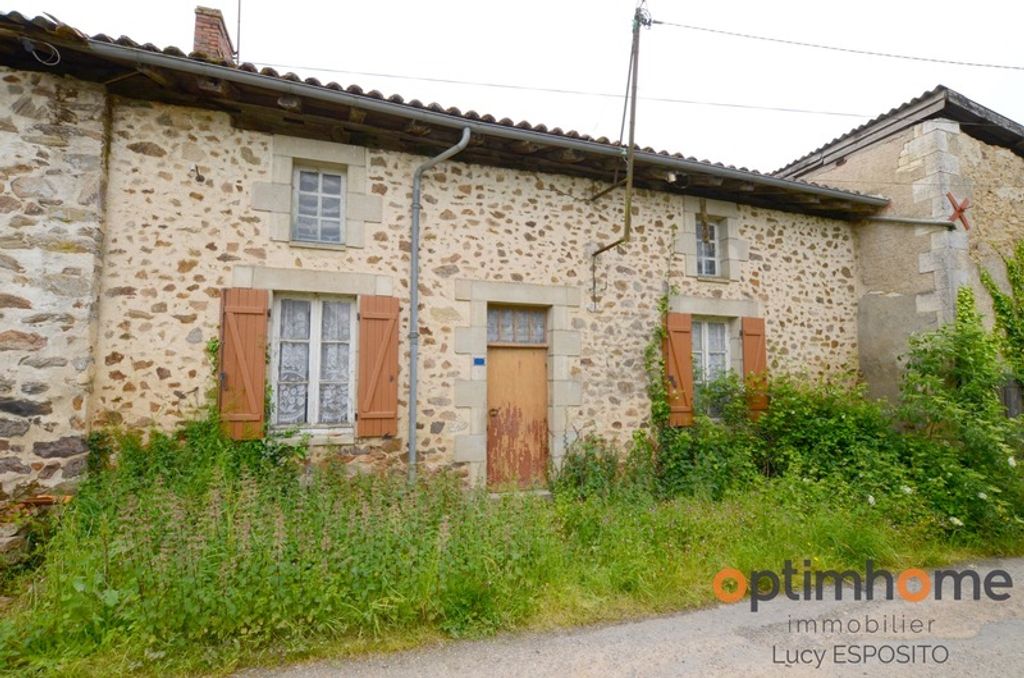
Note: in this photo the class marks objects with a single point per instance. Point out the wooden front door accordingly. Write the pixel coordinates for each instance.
(517, 397)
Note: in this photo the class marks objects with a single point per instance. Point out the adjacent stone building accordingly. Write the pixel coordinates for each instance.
(159, 209)
(936, 150)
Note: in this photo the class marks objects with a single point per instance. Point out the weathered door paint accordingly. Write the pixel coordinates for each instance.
(517, 415)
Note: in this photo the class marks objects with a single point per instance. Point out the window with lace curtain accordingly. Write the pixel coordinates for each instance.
(710, 341)
(313, 360)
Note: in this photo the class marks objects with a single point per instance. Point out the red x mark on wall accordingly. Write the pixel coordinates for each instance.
(959, 211)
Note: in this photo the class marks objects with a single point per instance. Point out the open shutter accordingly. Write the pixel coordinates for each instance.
(755, 365)
(677, 350)
(243, 368)
(378, 367)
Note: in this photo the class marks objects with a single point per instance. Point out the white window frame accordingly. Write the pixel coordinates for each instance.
(313, 384)
(342, 197)
(705, 353)
(715, 260)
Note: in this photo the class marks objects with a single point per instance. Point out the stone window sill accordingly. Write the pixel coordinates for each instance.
(318, 245)
(316, 436)
(721, 280)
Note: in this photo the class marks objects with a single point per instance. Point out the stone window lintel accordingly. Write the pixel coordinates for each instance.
(310, 281)
(729, 310)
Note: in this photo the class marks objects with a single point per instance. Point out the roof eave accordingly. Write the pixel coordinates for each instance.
(886, 126)
(978, 121)
(144, 58)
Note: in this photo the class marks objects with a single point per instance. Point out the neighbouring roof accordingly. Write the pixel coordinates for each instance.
(265, 100)
(979, 122)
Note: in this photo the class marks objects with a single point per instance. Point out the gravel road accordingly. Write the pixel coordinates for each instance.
(971, 638)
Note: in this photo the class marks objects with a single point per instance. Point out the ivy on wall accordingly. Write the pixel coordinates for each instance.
(1009, 310)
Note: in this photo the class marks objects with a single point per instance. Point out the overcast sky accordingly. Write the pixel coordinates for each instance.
(584, 45)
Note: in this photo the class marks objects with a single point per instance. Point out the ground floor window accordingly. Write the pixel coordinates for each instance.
(710, 350)
(313, 360)
(1012, 396)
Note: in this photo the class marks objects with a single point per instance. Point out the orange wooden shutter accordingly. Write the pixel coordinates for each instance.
(755, 365)
(243, 368)
(378, 367)
(677, 350)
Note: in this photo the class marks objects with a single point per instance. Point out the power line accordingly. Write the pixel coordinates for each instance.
(848, 50)
(553, 90)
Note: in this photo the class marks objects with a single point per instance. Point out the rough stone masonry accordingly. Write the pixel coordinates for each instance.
(51, 234)
(124, 219)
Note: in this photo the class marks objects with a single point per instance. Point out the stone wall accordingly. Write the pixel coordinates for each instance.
(182, 225)
(51, 186)
(996, 177)
(176, 204)
(911, 272)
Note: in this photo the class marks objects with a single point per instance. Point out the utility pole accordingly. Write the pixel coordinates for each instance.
(641, 19)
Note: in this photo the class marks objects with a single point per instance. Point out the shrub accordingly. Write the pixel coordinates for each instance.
(946, 455)
(815, 432)
(960, 447)
(707, 458)
(714, 454)
(830, 431)
(590, 467)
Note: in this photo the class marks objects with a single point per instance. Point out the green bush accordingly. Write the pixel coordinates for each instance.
(829, 431)
(810, 431)
(707, 458)
(714, 454)
(960, 447)
(589, 467)
(946, 455)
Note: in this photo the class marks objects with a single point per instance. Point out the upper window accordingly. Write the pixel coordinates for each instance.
(313, 361)
(710, 350)
(708, 261)
(318, 206)
(516, 325)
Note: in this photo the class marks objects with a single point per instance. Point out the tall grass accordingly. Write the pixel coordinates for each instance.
(196, 553)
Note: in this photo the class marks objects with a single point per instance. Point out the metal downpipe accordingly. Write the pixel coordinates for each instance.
(886, 219)
(414, 291)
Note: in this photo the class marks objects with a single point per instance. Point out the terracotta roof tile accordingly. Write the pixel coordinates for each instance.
(860, 128)
(49, 26)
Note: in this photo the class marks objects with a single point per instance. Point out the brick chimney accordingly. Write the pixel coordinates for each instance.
(211, 36)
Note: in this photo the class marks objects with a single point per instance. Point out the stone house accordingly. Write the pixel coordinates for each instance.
(933, 151)
(156, 206)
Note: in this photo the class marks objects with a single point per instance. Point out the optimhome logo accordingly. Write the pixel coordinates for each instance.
(730, 585)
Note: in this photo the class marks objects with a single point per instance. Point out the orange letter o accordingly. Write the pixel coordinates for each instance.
(904, 579)
(718, 585)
